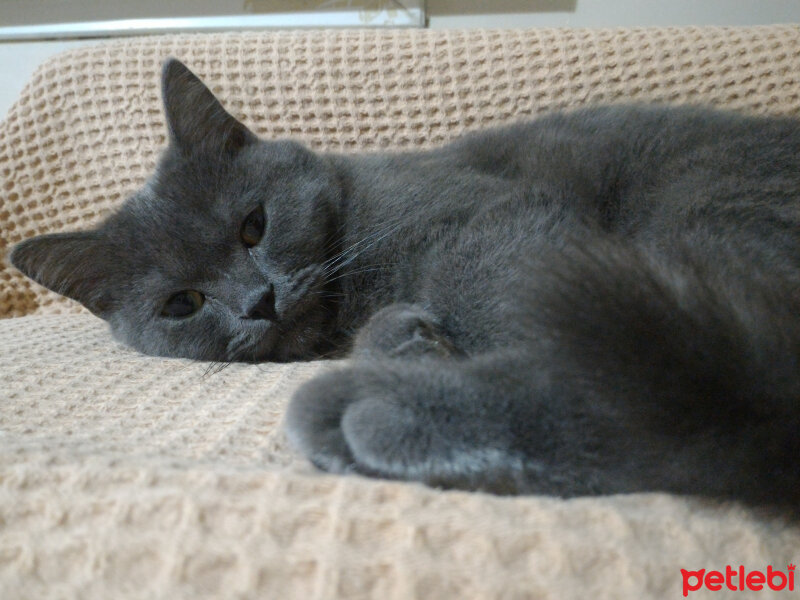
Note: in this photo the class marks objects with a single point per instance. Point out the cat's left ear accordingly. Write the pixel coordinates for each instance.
(195, 118)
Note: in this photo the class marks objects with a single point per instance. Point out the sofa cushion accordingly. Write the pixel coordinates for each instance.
(88, 127)
(127, 476)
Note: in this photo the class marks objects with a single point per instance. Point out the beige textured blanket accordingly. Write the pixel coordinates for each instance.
(126, 476)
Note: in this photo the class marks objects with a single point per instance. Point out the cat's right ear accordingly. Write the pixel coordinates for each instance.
(195, 118)
(78, 265)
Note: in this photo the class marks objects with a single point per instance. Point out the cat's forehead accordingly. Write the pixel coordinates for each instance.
(155, 230)
(172, 213)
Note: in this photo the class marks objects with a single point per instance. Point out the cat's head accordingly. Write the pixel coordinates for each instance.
(220, 255)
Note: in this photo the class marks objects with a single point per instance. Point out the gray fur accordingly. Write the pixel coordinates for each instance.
(596, 302)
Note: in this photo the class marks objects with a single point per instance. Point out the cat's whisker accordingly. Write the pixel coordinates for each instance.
(331, 296)
(354, 245)
(214, 368)
(364, 266)
(355, 250)
(372, 240)
(360, 271)
(335, 269)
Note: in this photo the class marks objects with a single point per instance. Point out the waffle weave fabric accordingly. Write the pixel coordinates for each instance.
(127, 476)
(88, 128)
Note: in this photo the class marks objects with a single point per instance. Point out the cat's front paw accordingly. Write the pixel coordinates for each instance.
(404, 420)
(313, 423)
(315, 420)
(365, 420)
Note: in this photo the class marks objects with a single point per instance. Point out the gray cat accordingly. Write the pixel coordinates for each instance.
(596, 302)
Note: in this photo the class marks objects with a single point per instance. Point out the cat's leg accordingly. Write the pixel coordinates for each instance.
(400, 330)
(633, 375)
(472, 424)
(403, 330)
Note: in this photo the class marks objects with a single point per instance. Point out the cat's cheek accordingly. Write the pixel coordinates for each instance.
(198, 337)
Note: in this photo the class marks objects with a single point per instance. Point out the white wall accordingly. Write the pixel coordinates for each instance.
(19, 59)
(609, 13)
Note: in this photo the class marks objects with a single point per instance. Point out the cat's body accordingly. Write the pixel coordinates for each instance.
(596, 302)
(640, 177)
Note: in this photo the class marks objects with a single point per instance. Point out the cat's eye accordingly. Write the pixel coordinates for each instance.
(183, 304)
(253, 228)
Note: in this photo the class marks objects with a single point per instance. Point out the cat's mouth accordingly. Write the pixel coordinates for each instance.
(295, 339)
(299, 331)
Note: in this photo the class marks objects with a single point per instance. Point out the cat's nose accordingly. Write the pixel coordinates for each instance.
(264, 308)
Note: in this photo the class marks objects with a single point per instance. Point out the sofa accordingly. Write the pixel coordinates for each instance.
(130, 476)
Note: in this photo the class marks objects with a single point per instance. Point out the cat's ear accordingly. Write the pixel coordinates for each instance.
(81, 266)
(195, 118)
